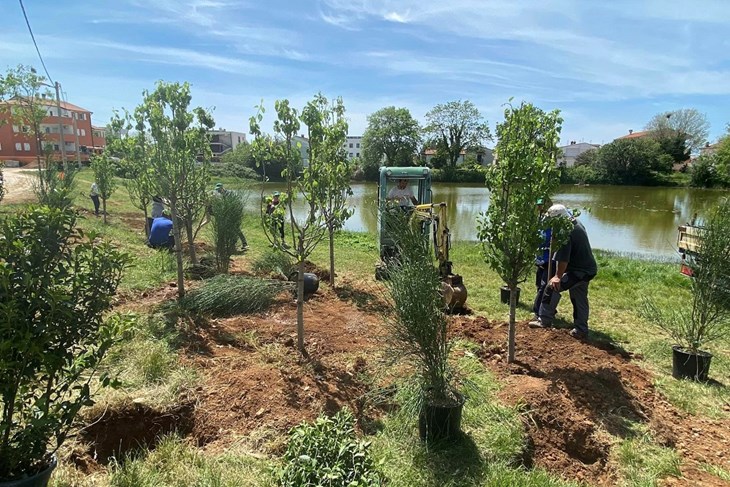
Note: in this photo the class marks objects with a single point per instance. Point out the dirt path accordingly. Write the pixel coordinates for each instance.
(18, 185)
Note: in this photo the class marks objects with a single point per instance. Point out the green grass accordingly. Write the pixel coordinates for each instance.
(719, 472)
(642, 462)
(175, 463)
(486, 455)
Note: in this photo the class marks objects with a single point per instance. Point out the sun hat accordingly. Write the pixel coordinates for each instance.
(558, 210)
(276, 194)
(218, 185)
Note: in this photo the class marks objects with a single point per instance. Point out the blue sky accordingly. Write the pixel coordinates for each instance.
(608, 65)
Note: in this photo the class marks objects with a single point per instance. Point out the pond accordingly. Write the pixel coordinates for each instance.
(633, 219)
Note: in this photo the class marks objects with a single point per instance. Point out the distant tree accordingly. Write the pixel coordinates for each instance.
(722, 158)
(674, 145)
(686, 123)
(456, 125)
(392, 136)
(23, 97)
(104, 170)
(177, 135)
(704, 172)
(327, 133)
(525, 171)
(629, 161)
(588, 157)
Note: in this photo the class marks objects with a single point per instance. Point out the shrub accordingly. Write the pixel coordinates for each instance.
(226, 217)
(707, 317)
(226, 295)
(53, 187)
(55, 286)
(274, 262)
(327, 453)
(703, 172)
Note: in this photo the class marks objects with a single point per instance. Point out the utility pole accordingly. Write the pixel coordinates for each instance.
(75, 115)
(61, 141)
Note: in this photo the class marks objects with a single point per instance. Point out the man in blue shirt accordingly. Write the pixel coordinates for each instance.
(161, 234)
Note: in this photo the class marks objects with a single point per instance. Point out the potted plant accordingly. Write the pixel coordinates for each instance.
(706, 317)
(55, 285)
(417, 330)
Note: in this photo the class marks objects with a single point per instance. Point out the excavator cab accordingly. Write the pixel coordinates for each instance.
(408, 189)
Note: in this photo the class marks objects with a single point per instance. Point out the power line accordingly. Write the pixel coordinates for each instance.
(27, 22)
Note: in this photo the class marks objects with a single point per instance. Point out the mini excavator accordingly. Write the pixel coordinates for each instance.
(433, 221)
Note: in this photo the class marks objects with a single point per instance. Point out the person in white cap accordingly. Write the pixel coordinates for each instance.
(575, 269)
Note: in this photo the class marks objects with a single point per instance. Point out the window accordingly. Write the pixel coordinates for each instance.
(358, 145)
(48, 130)
(358, 154)
(50, 113)
(18, 146)
(83, 132)
(16, 129)
(56, 147)
(82, 116)
(351, 148)
(26, 146)
(350, 152)
(25, 129)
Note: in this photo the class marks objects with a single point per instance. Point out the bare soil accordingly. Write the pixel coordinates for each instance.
(573, 393)
(18, 185)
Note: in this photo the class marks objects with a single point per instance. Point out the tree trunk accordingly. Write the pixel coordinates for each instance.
(146, 223)
(191, 242)
(300, 306)
(178, 252)
(332, 256)
(103, 208)
(511, 337)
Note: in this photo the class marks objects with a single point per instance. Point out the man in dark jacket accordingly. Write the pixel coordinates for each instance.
(575, 268)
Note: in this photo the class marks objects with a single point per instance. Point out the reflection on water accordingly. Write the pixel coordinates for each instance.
(626, 219)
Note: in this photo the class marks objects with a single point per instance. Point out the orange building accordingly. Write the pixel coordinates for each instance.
(17, 144)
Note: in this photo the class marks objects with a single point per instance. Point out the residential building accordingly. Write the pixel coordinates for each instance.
(484, 156)
(17, 143)
(223, 141)
(353, 146)
(709, 149)
(303, 143)
(570, 152)
(635, 135)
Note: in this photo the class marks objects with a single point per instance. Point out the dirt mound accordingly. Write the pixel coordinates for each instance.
(118, 432)
(575, 392)
(254, 378)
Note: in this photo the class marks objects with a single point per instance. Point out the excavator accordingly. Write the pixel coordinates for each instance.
(432, 218)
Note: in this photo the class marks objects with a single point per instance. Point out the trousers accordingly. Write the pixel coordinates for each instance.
(578, 289)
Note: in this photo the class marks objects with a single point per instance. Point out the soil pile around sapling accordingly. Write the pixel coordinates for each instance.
(577, 397)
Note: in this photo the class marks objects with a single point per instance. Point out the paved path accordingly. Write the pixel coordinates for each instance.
(18, 185)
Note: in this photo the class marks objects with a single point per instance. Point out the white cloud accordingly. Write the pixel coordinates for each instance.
(396, 17)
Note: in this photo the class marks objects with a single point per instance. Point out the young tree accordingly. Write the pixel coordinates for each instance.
(392, 134)
(327, 132)
(24, 97)
(455, 126)
(525, 171)
(131, 149)
(177, 136)
(688, 123)
(104, 169)
(308, 228)
(193, 203)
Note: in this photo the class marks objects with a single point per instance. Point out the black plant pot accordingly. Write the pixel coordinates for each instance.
(38, 480)
(440, 423)
(504, 294)
(687, 365)
(311, 282)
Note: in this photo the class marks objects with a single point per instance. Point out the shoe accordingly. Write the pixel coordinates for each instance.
(539, 324)
(579, 335)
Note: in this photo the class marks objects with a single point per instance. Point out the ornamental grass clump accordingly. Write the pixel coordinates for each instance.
(274, 262)
(226, 218)
(417, 323)
(226, 295)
